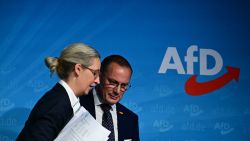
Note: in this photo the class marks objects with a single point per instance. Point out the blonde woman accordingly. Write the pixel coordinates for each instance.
(78, 68)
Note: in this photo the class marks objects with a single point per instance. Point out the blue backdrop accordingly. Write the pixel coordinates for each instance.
(142, 31)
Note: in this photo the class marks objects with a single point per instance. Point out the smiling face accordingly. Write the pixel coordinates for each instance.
(114, 83)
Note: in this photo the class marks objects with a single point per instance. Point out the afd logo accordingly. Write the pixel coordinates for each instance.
(172, 61)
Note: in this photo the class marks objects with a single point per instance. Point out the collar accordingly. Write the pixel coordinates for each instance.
(74, 101)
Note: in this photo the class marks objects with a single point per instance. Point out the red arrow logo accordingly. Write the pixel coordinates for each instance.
(194, 88)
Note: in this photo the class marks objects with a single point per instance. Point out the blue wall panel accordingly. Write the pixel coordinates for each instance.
(141, 31)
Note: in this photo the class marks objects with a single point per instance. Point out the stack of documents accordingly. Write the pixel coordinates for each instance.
(83, 127)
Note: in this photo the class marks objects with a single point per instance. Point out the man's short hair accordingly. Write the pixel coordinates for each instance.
(114, 59)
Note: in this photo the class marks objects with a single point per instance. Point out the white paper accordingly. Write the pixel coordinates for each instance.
(83, 127)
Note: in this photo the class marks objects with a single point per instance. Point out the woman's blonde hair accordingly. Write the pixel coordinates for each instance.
(77, 53)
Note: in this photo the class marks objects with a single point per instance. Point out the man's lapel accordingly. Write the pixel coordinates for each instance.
(121, 122)
(88, 103)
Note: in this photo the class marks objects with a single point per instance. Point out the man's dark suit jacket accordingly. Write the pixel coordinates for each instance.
(127, 120)
(48, 117)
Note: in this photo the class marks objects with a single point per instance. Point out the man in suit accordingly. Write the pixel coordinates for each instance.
(114, 81)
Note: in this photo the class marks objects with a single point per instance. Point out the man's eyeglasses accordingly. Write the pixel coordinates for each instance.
(115, 84)
(96, 73)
